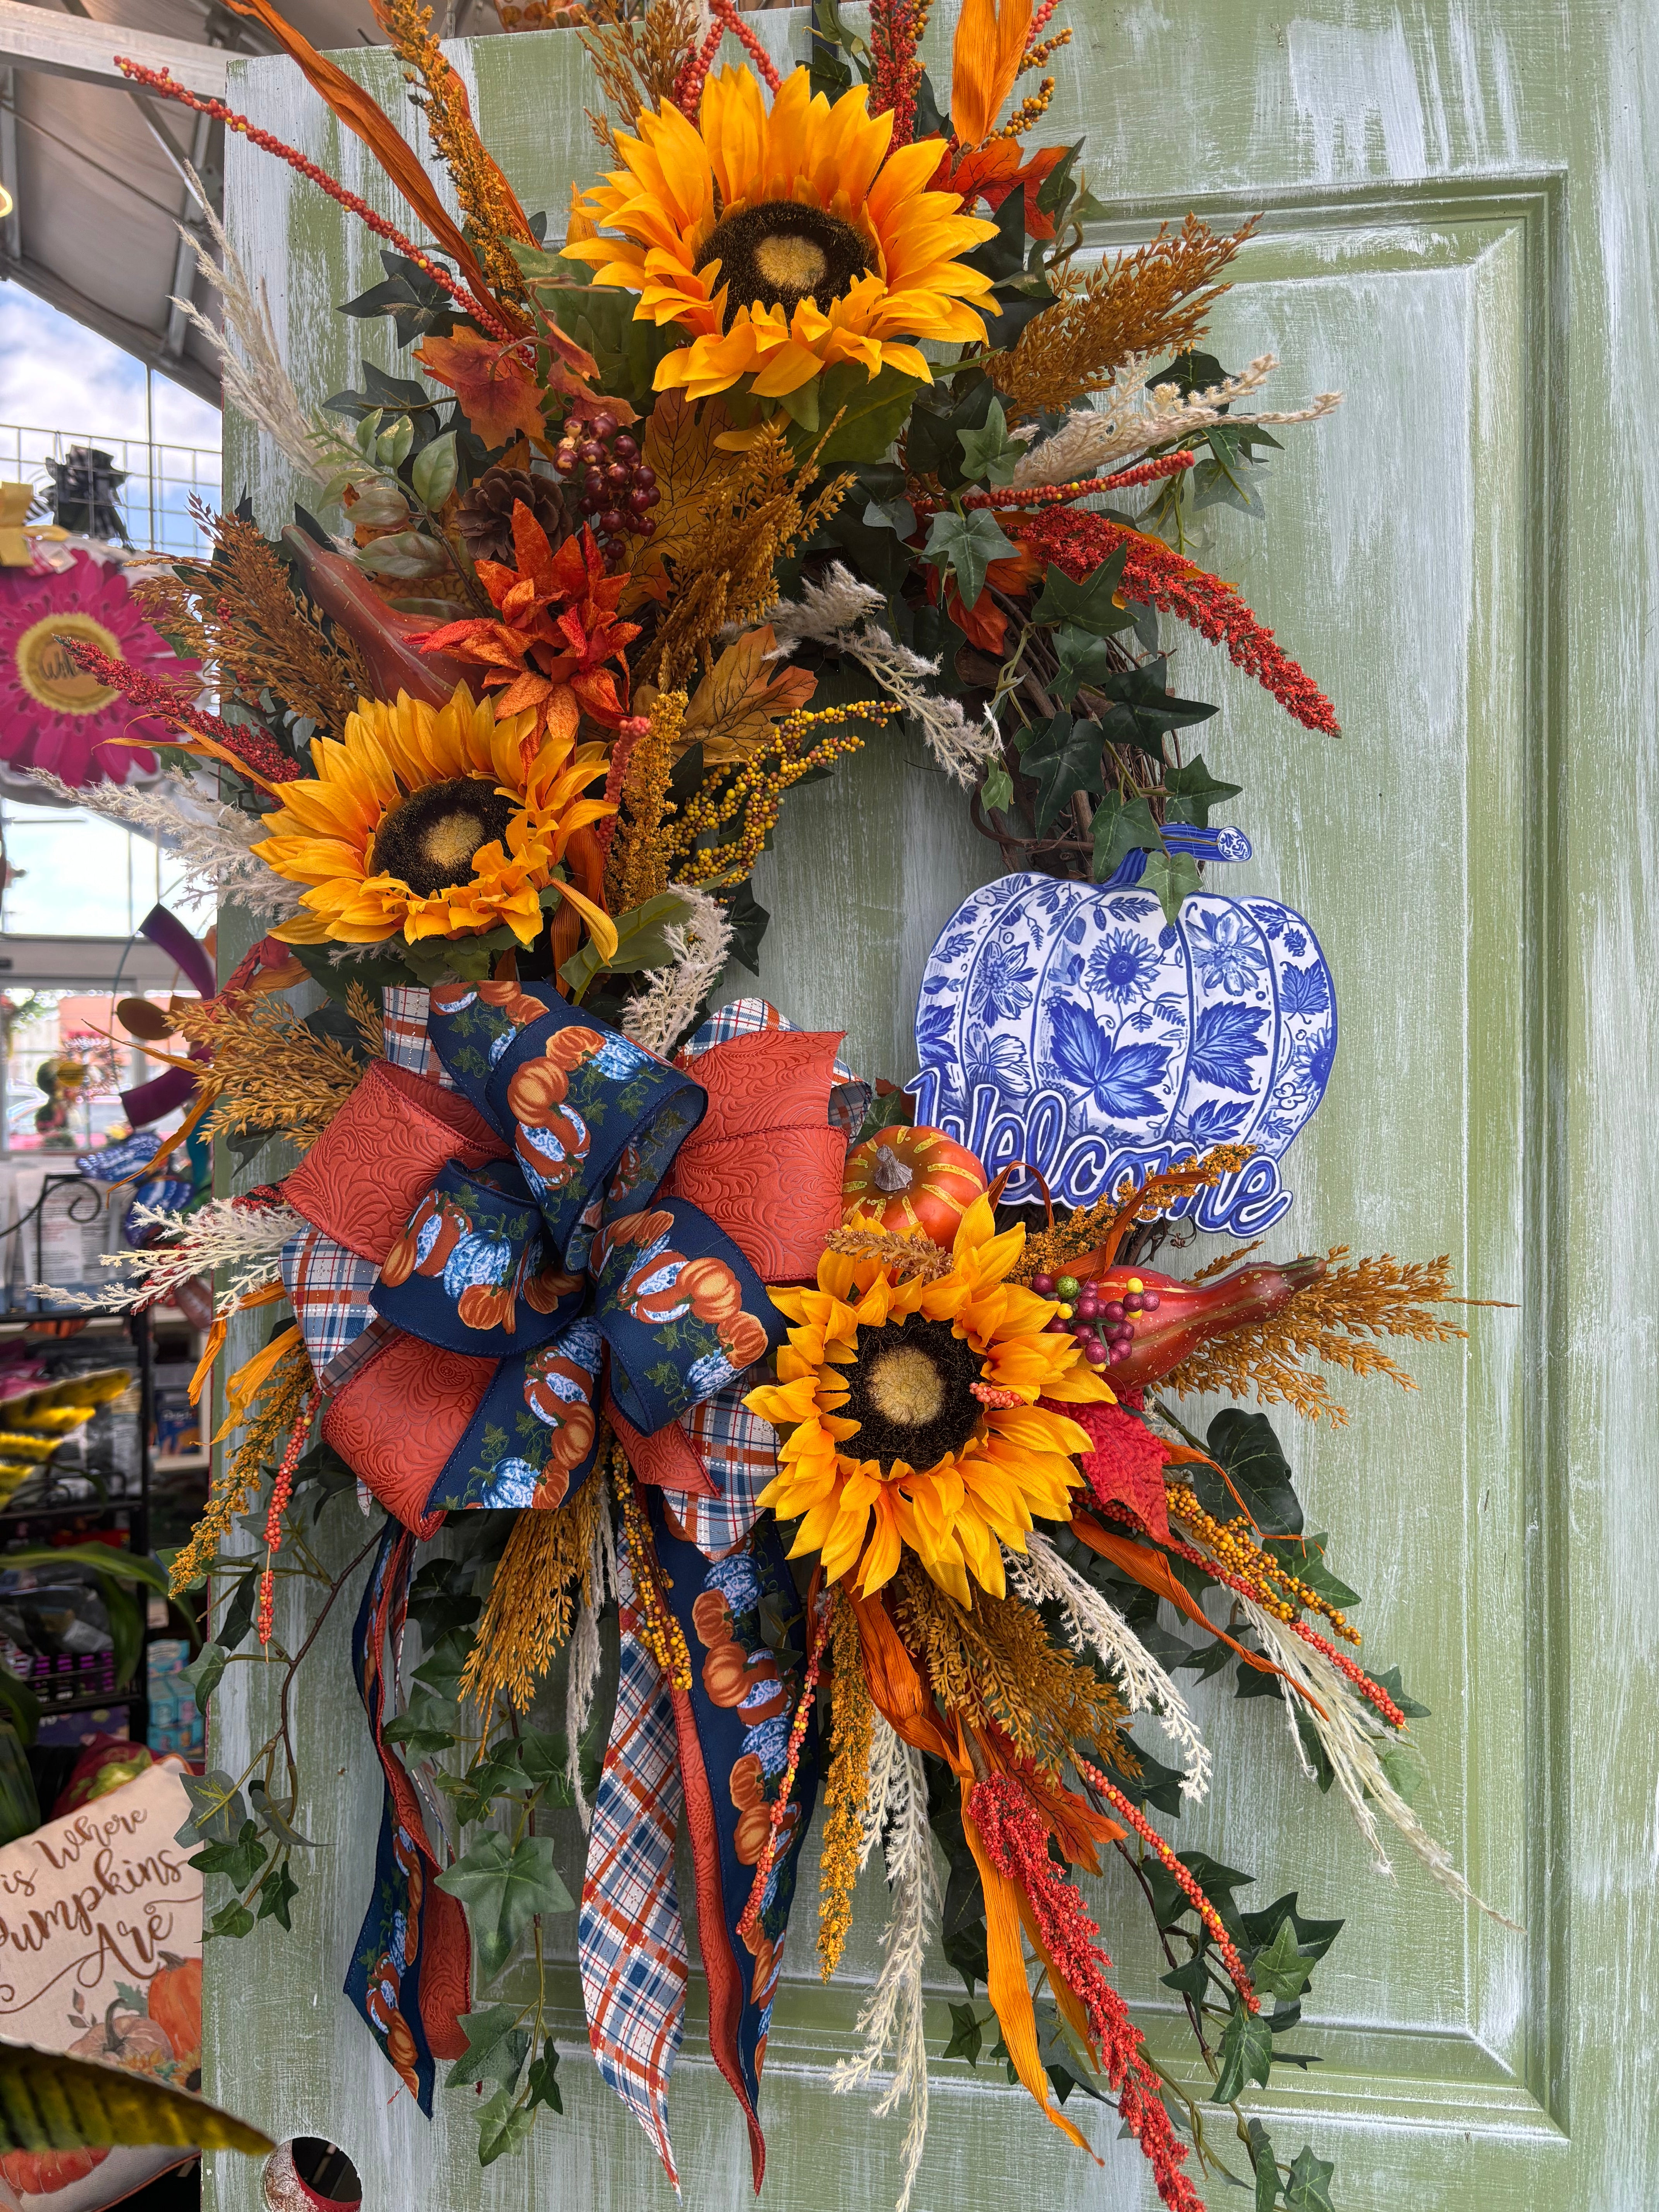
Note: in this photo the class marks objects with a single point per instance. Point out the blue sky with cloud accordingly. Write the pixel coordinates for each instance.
(55, 376)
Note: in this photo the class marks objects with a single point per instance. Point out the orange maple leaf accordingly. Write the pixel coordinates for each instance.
(498, 392)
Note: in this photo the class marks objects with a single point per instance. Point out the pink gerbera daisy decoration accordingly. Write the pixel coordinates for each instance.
(53, 714)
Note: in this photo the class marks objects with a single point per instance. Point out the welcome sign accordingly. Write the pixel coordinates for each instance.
(1070, 1028)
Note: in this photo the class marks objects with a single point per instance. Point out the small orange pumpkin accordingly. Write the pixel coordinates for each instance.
(713, 1289)
(536, 1089)
(745, 1340)
(911, 1180)
(175, 2002)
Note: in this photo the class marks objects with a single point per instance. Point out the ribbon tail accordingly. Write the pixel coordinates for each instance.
(631, 1939)
(1006, 1984)
(714, 1915)
(735, 1732)
(411, 1968)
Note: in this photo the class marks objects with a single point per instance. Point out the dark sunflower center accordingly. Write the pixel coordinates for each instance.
(910, 1390)
(780, 253)
(429, 841)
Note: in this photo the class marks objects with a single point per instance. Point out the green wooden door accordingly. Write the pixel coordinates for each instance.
(1466, 557)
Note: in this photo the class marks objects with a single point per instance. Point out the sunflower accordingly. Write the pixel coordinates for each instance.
(912, 1405)
(440, 821)
(785, 241)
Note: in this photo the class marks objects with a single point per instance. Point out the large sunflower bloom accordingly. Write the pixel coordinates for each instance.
(884, 1388)
(785, 241)
(439, 822)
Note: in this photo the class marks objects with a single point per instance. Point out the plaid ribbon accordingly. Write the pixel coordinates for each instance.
(404, 1012)
(631, 1938)
(329, 1290)
(740, 1451)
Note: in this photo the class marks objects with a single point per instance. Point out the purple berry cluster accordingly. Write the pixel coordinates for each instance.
(618, 489)
(1107, 1331)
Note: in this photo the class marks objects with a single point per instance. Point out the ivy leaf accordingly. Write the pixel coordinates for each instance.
(1263, 2164)
(1281, 1970)
(277, 1893)
(541, 2083)
(438, 1602)
(1247, 2053)
(1309, 2187)
(473, 1793)
(989, 455)
(997, 792)
(238, 1617)
(1092, 604)
(275, 1818)
(205, 1675)
(441, 1671)
(1218, 482)
(1121, 830)
(1142, 709)
(1192, 1980)
(240, 1861)
(931, 444)
(1062, 757)
(1170, 1902)
(1403, 1767)
(217, 1812)
(966, 545)
(1305, 1558)
(1191, 791)
(1005, 254)
(748, 918)
(1084, 658)
(503, 1886)
(426, 1728)
(503, 2126)
(1172, 878)
(545, 1761)
(1244, 1443)
(1314, 1937)
(233, 1920)
(496, 2048)
(967, 2034)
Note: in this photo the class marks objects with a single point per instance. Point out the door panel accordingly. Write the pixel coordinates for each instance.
(1465, 558)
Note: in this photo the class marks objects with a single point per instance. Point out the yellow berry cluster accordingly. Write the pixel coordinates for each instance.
(1279, 1591)
(757, 790)
(1034, 104)
(660, 1633)
(1044, 49)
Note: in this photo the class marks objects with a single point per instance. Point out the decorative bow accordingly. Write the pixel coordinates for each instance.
(489, 1263)
(563, 1223)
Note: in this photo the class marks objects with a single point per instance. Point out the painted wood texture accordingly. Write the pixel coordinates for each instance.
(1466, 557)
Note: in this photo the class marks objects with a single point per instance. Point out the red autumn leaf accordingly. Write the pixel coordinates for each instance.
(499, 396)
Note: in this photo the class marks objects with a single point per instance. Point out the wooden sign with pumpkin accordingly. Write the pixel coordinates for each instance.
(100, 1955)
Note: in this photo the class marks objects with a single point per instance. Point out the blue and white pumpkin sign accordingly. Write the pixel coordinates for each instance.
(1069, 1026)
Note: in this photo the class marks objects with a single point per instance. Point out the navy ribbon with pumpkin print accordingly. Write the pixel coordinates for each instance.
(527, 1264)
(733, 1728)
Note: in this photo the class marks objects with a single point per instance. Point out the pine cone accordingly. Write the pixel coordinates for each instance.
(486, 514)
